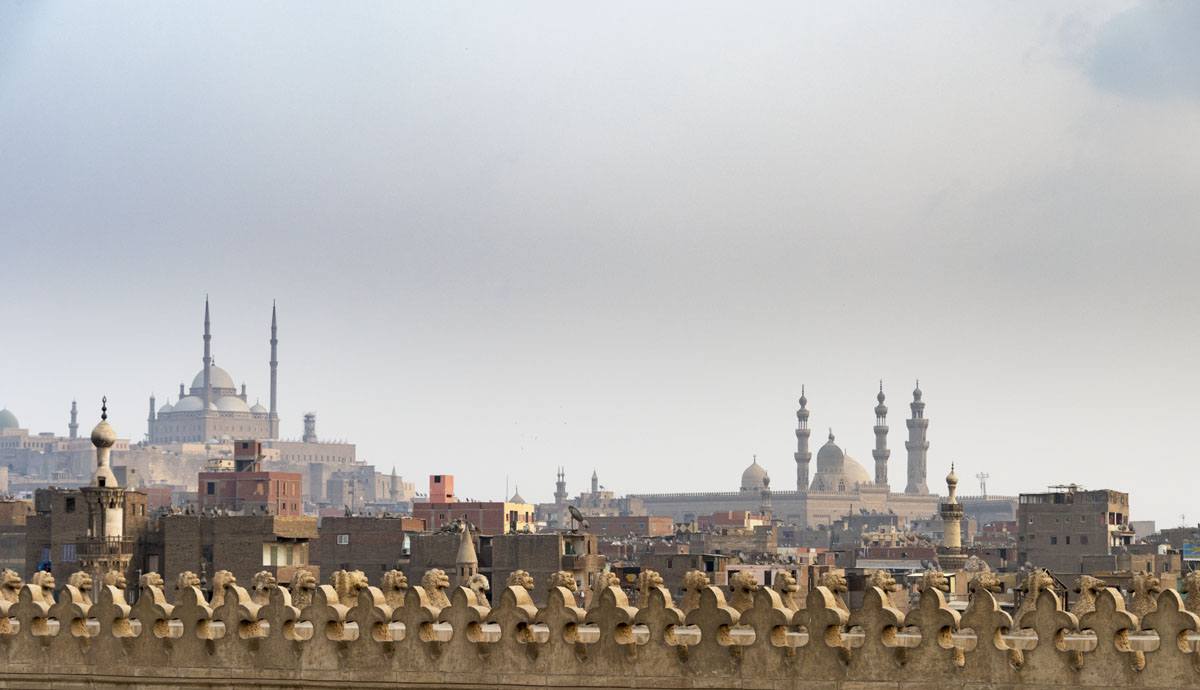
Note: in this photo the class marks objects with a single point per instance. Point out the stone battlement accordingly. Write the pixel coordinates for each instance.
(435, 636)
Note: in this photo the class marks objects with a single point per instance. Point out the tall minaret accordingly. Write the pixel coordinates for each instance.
(274, 372)
(803, 456)
(106, 549)
(595, 482)
(916, 445)
(207, 358)
(560, 488)
(151, 418)
(950, 556)
(74, 425)
(881, 452)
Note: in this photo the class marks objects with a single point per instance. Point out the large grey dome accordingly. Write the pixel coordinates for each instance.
(189, 403)
(8, 420)
(218, 378)
(231, 403)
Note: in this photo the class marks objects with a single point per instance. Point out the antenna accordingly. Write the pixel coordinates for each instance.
(983, 477)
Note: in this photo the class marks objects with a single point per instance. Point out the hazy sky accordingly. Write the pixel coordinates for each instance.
(510, 236)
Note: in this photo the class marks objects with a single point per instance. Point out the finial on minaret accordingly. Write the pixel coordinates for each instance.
(104, 407)
(831, 434)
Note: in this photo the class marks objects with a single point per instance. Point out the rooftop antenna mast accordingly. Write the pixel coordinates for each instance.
(983, 477)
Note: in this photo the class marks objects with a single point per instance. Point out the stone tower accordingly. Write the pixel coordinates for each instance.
(803, 456)
(274, 423)
(917, 445)
(466, 562)
(150, 419)
(560, 488)
(310, 427)
(950, 556)
(595, 482)
(105, 548)
(881, 452)
(73, 427)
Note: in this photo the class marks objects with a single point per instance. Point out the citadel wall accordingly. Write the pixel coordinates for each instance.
(435, 636)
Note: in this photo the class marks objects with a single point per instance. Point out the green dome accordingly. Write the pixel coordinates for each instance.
(8, 420)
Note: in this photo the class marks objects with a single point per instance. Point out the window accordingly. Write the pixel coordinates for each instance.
(211, 488)
(70, 505)
(68, 552)
(1053, 540)
(1068, 539)
(343, 539)
(1083, 539)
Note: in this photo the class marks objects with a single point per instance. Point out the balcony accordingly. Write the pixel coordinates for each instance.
(104, 547)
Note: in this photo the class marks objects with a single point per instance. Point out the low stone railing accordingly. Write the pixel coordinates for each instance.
(356, 638)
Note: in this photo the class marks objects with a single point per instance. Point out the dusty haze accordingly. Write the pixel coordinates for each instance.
(506, 237)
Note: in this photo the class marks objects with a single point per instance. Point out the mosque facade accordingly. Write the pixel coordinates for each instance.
(839, 487)
(213, 408)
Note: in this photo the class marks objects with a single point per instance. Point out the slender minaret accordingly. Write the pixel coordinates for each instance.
(74, 425)
(595, 482)
(394, 487)
(310, 427)
(803, 456)
(881, 452)
(274, 372)
(207, 358)
(917, 445)
(105, 549)
(764, 505)
(950, 556)
(560, 488)
(151, 418)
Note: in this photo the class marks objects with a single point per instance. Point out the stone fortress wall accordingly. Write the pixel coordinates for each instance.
(432, 635)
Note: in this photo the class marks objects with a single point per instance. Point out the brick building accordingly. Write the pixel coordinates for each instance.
(57, 533)
(636, 525)
(373, 545)
(242, 544)
(487, 517)
(1061, 530)
(249, 490)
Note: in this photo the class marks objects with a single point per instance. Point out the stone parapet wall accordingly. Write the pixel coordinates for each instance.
(357, 635)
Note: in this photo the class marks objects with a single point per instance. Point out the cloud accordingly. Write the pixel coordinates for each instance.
(1149, 52)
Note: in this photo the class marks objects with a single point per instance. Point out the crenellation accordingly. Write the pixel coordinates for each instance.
(350, 632)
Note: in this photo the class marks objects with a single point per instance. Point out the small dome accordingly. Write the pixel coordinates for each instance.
(8, 420)
(256, 408)
(952, 478)
(830, 455)
(190, 403)
(230, 403)
(754, 476)
(103, 435)
(516, 497)
(218, 378)
(166, 408)
(917, 392)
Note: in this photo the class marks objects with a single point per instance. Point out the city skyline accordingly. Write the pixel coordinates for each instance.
(629, 257)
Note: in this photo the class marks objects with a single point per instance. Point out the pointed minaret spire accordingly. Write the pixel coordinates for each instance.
(803, 456)
(207, 358)
(881, 453)
(917, 445)
(595, 482)
(74, 425)
(274, 419)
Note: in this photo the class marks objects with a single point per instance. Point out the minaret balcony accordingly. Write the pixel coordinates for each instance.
(104, 547)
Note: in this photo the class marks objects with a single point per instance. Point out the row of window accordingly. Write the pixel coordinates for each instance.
(1083, 539)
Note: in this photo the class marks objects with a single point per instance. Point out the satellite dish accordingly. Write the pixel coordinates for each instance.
(576, 516)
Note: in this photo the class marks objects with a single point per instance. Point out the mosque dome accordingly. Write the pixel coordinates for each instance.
(8, 420)
(258, 409)
(166, 408)
(190, 403)
(218, 378)
(516, 497)
(232, 403)
(754, 476)
(836, 471)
